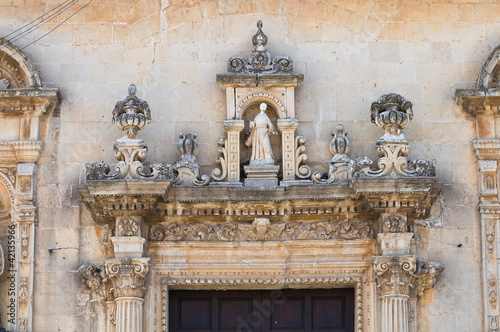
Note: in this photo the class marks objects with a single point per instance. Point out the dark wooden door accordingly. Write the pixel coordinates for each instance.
(297, 310)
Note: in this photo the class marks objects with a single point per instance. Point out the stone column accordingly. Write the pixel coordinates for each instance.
(488, 153)
(233, 128)
(393, 274)
(288, 128)
(126, 277)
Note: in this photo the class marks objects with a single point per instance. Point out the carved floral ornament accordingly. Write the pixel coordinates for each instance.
(261, 229)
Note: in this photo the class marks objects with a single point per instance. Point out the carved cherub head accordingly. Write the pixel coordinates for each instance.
(261, 225)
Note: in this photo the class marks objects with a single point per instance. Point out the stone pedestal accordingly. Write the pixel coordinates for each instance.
(128, 246)
(262, 176)
(233, 128)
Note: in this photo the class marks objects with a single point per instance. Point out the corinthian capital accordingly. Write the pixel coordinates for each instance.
(394, 274)
(126, 276)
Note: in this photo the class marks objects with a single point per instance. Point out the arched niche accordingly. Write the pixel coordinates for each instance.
(489, 76)
(16, 69)
(248, 114)
(261, 97)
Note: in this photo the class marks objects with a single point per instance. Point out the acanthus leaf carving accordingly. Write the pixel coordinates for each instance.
(126, 276)
(261, 229)
(93, 279)
(426, 276)
(393, 274)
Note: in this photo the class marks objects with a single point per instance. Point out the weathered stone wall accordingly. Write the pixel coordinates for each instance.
(350, 52)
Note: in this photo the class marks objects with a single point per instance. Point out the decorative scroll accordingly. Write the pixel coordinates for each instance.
(261, 230)
(219, 174)
(301, 171)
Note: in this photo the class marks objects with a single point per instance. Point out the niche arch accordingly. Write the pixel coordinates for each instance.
(262, 97)
(16, 69)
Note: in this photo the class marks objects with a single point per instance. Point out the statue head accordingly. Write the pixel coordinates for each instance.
(263, 107)
(261, 225)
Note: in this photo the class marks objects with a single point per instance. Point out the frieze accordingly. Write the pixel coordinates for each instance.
(261, 230)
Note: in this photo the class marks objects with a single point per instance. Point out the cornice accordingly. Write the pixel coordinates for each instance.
(20, 152)
(479, 101)
(487, 149)
(28, 101)
(362, 198)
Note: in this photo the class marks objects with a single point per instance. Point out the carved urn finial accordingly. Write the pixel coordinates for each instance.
(392, 113)
(131, 114)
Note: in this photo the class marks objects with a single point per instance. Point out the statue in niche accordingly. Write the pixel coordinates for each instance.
(261, 127)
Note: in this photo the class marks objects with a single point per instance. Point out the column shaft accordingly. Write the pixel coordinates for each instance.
(129, 314)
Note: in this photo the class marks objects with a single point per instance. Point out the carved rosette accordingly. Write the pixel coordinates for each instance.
(129, 226)
(392, 113)
(126, 276)
(394, 274)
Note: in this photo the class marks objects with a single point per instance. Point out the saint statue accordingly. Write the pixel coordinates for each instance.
(261, 127)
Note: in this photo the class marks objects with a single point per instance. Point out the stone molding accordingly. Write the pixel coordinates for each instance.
(229, 232)
(360, 313)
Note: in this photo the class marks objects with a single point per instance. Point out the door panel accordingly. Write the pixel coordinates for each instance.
(292, 310)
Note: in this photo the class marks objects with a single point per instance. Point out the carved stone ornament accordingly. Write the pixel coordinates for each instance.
(259, 60)
(339, 164)
(130, 115)
(392, 113)
(92, 277)
(261, 229)
(128, 227)
(394, 224)
(219, 174)
(126, 276)
(393, 274)
(426, 276)
(187, 167)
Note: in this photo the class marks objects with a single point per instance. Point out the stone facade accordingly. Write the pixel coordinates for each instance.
(384, 177)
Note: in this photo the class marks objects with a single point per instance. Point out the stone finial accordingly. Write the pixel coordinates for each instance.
(187, 167)
(259, 60)
(339, 164)
(340, 146)
(392, 113)
(131, 114)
